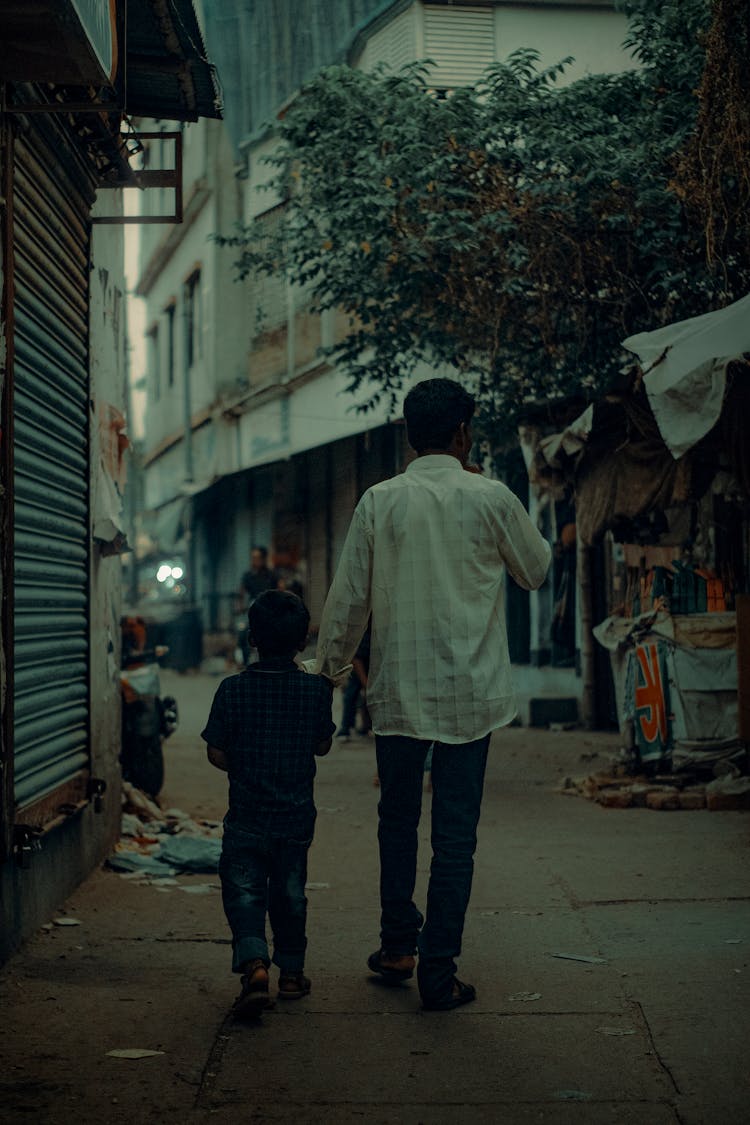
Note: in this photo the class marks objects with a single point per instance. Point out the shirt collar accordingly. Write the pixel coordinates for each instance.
(274, 664)
(431, 461)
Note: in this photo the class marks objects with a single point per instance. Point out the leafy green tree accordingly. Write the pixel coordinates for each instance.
(517, 231)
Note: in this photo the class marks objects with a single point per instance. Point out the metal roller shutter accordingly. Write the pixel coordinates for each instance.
(51, 465)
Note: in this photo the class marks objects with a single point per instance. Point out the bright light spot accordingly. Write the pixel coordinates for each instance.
(177, 572)
(169, 582)
(164, 572)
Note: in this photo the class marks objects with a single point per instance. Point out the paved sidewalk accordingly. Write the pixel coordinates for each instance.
(653, 1030)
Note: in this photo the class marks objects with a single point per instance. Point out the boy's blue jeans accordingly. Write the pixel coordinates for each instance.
(457, 785)
(260, 876)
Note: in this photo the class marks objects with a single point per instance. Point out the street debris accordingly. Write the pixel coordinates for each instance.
(572, 1095)
(616, 1030)
(199, 888)
(616, 788)
(160, 843)
(136, 801)
(135, 863)
(525, 996)
(191, 853)
(580, 957)
(66, 922)
(317, 886)
(132, 1053)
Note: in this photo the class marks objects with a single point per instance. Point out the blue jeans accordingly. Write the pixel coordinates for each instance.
(260, 876)
(457, 784)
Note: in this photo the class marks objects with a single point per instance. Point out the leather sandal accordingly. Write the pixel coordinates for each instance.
(394, 974)
(293, 986)
(254, 996)
(460, 994)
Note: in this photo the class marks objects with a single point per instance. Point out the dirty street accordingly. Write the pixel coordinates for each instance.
(644, 1020)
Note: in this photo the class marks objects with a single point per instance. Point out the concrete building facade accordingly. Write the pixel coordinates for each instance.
(274, 451)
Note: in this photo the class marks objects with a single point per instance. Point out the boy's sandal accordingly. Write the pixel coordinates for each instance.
(393, 973)
(460, 994)
(292, 986)
(254, 996)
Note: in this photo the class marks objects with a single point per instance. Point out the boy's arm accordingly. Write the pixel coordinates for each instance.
(326, 725)
(217, 758)
(215, 730)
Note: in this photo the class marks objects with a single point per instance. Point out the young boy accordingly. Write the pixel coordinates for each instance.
(265, 728)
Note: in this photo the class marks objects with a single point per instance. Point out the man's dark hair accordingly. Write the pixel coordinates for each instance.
(263, 550)
(433, 411)
(278, 622)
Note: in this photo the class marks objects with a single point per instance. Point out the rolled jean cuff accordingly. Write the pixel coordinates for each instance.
(248, 949)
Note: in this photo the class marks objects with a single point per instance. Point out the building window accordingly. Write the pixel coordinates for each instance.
(193, 318)
(169, 313)
(154, 361)
(270, 291)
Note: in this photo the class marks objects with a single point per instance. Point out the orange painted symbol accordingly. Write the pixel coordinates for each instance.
(649, 696)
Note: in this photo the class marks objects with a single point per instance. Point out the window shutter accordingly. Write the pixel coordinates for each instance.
(461, 43)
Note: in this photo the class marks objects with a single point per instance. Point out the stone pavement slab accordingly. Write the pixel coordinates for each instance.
(420, 1058)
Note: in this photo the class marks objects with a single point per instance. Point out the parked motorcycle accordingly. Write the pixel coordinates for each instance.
(147, 718)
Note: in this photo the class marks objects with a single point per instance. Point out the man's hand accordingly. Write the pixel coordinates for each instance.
(336, 680)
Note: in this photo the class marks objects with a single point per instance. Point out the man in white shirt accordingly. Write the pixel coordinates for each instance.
(426, 556)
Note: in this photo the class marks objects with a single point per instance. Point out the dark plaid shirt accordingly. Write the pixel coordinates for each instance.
(269, 720)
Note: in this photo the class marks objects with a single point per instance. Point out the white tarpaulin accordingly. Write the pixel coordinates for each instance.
(684, 366)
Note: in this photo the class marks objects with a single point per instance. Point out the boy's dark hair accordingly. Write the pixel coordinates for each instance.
(433, 411)
(278, 622)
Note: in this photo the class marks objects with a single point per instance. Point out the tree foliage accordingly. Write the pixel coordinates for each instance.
(713, 177)
(517, 231)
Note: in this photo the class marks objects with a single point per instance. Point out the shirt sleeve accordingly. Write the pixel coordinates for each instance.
(524, 551)
(215, 731)
(347, 606)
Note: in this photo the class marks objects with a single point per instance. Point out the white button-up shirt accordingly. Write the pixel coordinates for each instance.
(426, 555)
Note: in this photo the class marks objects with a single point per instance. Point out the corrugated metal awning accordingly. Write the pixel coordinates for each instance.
(168, 73)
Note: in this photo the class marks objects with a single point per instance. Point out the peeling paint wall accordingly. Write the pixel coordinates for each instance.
(108, 467)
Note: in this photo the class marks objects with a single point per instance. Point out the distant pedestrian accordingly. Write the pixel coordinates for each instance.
(265, 728)
(259, 578)
(426, 556)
